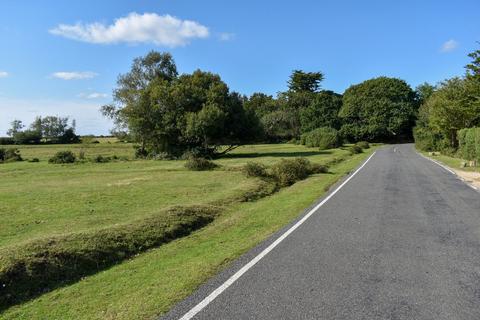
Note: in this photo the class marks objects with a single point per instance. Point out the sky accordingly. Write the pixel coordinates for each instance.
(63, 57)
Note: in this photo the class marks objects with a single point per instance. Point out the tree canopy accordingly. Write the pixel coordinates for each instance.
(378, 109)
(170, 114)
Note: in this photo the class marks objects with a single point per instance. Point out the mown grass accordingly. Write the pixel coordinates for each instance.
(452, 162)
(150, 283)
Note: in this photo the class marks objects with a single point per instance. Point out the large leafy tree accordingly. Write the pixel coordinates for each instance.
(378, 109)
(167, 113)
(322, 111)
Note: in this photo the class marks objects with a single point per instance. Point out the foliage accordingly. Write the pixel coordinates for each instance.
(288, 171)
(378, 109)
(255, 169)
(363, 144)
(301, 81)
(166, 113)
(469, 144)
(424, 91)
(322, 111)
(200, 164)
(322, 138)
(10, 155)
(62, 157)
(355, 149)
(6, 141)
(50, 129)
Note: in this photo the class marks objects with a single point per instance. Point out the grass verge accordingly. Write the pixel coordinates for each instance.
(149, 284)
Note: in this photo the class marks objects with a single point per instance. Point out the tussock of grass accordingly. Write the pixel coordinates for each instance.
(36, 267)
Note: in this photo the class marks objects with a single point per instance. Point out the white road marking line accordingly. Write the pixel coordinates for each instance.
(438, 163)
(190, 314)
(451, 171)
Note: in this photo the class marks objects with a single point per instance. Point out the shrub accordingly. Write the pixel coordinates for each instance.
(255, 169)
(318, 168)
(101, 159)
(322, 138)
(288, 171)
(34, 160)
(469, 144)
(200, 164)
(10, 155)
(355, 149)
(363, 144)
(6, 141)
(62, 157)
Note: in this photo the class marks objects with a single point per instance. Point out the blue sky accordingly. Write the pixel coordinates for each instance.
(63, 57)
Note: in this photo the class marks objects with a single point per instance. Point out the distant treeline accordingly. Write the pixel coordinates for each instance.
(169, 114)
(448, 108)
(48, 130)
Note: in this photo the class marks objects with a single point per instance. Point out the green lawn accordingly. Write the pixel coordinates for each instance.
(452, 162)
(41, 199)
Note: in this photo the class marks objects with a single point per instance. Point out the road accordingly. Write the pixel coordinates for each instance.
(400, 240)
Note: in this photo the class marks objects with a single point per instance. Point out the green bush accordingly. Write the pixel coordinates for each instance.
(34, 160)
(318, 168)
(322, 138)
(288, 171)
(355, 149)
(62, 157)
(101, 159)
(469, 144)
(6, 141)
(199, 164)
(363, 144)
(255, 169)
(10, 155)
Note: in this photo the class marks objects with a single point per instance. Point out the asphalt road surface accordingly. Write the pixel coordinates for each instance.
(400, 240)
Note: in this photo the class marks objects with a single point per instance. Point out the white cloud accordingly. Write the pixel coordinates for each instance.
(74, 75)
(3, 74)
(226, 36)
(449, 45)
(163, 30)
(93, 95)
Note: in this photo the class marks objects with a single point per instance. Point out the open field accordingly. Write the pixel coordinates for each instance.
(41, 201)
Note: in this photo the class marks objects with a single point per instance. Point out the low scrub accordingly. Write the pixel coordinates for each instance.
(63, 157)
(101, 159)
(355, 149)
(288, 171)
(322, 138)
(10, 155)
(200, 164)
(363, 144)
(39, 266)
(255, 169)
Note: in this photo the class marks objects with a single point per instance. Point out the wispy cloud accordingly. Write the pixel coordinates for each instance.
(74, 75)
(3, 74)
(164, 30)
(226, 36)
(93, 95)
(449, 45)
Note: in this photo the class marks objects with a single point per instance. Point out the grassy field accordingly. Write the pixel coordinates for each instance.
(41, 200)
(452, 162)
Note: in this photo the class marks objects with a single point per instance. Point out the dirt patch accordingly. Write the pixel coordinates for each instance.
(471, 177)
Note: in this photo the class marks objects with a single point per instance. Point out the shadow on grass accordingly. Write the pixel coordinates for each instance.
(276, 154)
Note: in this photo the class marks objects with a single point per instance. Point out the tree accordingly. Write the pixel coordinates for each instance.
(378, 109)
(451, 108)
(172, 114)
(260, 104)
(17, 126)
(301, 81)
(424, 91)
(321, 112)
